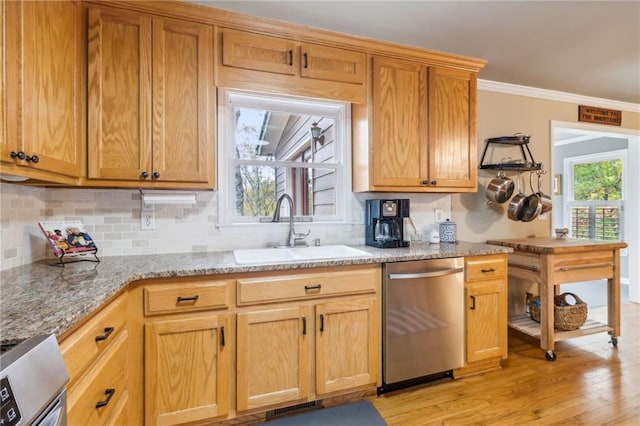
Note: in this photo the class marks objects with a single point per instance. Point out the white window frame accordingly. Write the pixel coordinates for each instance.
(340, 112)
(568, 166)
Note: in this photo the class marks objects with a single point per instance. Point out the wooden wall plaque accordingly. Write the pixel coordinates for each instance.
(599, 115)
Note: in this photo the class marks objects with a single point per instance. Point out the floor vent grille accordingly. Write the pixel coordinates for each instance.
(294, 409)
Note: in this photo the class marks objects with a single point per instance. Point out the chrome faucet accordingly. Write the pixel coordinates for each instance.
(294, 238)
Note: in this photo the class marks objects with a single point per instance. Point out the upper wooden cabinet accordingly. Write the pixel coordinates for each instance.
(151, 109)
(285, 66)
(42, 90)
(418, 134)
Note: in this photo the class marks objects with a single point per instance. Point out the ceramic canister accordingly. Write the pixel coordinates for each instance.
(448, 232)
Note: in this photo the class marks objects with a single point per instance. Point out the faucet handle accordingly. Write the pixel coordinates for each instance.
(301, 235)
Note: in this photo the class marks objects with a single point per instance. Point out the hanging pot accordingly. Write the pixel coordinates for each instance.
(500, 189)
(532, 204)
(514, 212)
(544, 199)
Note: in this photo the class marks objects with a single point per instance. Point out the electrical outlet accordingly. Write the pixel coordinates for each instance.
(147, 221)
(438, 215)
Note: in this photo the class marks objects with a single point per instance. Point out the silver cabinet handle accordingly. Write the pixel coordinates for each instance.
(416, 275)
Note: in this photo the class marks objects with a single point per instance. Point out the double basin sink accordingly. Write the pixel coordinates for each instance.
(296, 254)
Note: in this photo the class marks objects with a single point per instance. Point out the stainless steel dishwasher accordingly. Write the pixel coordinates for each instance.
(423, 321)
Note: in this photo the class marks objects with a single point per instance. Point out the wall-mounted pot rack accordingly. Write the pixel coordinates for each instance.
(527, 163)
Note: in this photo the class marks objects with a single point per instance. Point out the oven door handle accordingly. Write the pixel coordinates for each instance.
(417, 275)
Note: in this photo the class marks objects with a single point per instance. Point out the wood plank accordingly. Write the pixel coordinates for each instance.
(547, 245)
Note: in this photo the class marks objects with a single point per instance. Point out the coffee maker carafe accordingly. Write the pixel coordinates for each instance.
(384, 223)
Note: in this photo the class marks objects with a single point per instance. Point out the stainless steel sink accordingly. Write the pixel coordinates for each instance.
(296, 254)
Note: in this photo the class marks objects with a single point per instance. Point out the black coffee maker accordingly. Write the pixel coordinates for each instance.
(384, 222)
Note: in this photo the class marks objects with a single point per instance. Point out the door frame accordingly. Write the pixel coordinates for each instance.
(632, 204)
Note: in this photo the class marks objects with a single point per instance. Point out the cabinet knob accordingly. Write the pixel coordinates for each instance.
(144, 175)
(19, 155)
(306, 60)
(32, 159)
(430, 182)
(290, 57)
(156, 175)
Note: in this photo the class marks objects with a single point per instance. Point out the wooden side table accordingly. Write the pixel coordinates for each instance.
(554, 261)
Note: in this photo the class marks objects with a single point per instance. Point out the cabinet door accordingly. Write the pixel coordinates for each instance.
(329, 63)
(486, 317)
(399, 153)
(452, 128)
(259, 52)
(273, 357)
(187, 363)
(43, 85)
(182, 101)
(346, 345)
(119, 94)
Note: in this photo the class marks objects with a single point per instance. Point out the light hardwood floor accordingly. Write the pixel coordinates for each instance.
(590, 383)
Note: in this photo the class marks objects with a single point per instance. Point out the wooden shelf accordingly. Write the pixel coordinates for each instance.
(524, 324)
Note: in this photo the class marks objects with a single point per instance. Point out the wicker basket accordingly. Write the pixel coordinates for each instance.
(566, 316)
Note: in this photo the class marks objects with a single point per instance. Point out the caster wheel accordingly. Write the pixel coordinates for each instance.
(550, 356)
(614, 341)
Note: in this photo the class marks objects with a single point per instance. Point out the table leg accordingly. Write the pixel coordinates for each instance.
(547, 291)
(613, 296)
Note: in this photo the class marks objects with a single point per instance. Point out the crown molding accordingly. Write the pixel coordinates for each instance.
(553, 95)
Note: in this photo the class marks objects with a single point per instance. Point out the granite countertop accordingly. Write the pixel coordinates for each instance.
(43, 299)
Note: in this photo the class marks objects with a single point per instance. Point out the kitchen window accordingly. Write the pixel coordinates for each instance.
(596, 195)
(266, 149)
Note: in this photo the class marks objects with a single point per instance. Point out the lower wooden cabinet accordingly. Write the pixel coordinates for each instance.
(485, 321)
(279, 348)
(187, 364)
(97, 356)
(273, 356)
(485, 313)
(347, 344)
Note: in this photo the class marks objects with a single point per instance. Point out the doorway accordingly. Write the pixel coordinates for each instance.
(581, 140)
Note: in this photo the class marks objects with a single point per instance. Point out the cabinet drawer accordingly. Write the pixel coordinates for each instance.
(186, 297)
(572, 267)
(482, 268)
(89, 402)
(92, 339)
(315, 284)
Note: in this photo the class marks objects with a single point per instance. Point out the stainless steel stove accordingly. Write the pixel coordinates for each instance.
(33, 378)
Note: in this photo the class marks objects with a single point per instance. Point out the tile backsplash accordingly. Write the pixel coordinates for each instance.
(112, 218)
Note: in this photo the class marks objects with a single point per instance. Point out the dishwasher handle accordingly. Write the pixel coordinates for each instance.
(417, 275)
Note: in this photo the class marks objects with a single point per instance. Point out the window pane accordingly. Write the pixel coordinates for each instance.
(607, 226)
(598, 181)
(282, 136)
(596, 222)
(580, 222)
(255, 190)
(258, 188)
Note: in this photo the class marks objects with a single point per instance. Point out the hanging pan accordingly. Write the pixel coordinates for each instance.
(532, 204)
(514, 212)
(544, 198)
(500, 189)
